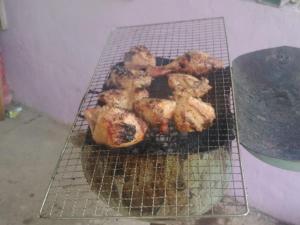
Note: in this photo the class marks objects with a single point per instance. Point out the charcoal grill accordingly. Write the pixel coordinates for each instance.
(166, 176)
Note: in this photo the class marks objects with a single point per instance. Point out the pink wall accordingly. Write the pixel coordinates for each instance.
(272, 190)
(51, 49)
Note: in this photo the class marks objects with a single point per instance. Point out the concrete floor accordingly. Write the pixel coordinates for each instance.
(29, 149)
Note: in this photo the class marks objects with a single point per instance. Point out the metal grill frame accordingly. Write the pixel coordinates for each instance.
(167, 40)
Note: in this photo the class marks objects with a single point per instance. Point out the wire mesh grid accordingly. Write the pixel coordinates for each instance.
(166, 176)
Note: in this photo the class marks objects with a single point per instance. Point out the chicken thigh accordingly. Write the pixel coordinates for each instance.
(121, 77)
(157, 112)
(122, 98)
(139, 57)
(115, 127)
(192, 114)
(187, 85)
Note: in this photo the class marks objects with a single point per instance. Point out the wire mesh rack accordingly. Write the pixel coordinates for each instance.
(166, 176)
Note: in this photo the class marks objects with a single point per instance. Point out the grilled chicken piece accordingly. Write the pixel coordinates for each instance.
(157, 112)
(192, 114)
(194, 62)
(187, 85)
(139, 57)
(122, 98)
(121, 77)
(114, 127)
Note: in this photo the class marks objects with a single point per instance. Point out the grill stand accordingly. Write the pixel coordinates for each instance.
(194, 176)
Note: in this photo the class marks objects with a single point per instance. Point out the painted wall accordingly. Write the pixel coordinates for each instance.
(51, 49)
(274, 191)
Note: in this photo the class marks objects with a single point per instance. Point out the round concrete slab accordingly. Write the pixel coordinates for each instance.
(267, 94)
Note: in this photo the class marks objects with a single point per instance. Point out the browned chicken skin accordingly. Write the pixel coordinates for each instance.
(157, 112)
(192, 114)
(139, 57)
(122, 98)
(115, 127)
(122, 77)
(187, 85)
(194, 62)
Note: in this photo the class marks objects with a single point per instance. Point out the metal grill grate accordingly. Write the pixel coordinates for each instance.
(166, 176)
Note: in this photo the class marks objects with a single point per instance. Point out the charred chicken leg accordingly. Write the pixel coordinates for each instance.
(115, 127)
(194, 62)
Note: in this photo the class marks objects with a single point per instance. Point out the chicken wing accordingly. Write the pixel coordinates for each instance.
(157, 112)
(194, 62)
(115, 127)
(122, 98)
(139, 57)
(122, 77)
(192, 114)
(187, 85)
